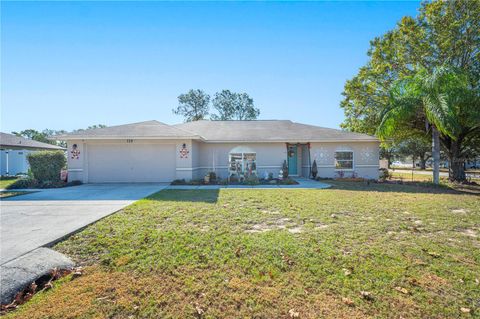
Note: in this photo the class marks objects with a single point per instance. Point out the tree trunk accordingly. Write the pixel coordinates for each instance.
(436, 155)
(457, 163)
(423, 163)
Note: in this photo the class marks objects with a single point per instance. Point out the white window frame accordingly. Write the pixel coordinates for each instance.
(335, 160)
(242, 163)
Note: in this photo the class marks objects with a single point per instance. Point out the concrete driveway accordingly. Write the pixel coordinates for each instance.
(37, 219)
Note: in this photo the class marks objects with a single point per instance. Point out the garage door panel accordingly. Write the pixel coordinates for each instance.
(131, 163)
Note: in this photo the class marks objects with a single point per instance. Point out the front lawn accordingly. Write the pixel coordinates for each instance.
(353, 251)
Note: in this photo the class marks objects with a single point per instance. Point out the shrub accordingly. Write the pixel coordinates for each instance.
(384, 174)
(196, 182)
(288, 181)
(52, 184)
(26, 182)
(179, 182)
(314, 169)
(29, 182)
(74, 183)
(8, 177)
(270, 176)
(222, 182)
(47, 165)
(252, 180)
(213, 177)
(340, 174)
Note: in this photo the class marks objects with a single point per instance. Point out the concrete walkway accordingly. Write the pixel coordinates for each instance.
(303, 183)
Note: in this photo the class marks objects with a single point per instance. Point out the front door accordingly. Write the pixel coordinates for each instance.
(292, 160)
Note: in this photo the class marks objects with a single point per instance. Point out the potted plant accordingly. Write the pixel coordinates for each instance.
(314, 169)
(212, 176)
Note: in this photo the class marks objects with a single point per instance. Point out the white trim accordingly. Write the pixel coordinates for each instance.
(320, 166)
(199, 167)
(193, 137)
(219, 167)
(289, 141)
(80, 137)
(75, 170)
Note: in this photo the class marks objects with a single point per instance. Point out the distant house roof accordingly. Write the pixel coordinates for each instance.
(148, 129)
(269, 131)
(222, 131)
(18, 142)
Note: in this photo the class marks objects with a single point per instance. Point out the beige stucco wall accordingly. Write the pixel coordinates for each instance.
(78, 168)
(365, 158)
(270, 157)
(204, 157)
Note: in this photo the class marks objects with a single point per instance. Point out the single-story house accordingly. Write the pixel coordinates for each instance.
(14, 150)
(156, 152)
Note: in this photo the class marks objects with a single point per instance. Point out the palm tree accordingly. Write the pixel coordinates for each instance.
(444, 103)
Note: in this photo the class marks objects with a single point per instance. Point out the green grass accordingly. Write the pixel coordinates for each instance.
(273, 253)
(4, 182)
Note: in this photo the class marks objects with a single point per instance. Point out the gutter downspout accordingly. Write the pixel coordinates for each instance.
(6, 162)
(309, 161)
(286, 159)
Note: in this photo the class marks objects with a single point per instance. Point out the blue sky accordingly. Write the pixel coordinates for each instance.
(67, 65)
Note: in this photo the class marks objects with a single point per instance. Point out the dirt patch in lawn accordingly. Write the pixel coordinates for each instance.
(469, 232)
(274, 224)
(459, 211)
(283, 224)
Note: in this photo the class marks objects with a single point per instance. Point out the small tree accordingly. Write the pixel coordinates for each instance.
(193, 105)
(46, 165)
(314, 169)
(418, 147)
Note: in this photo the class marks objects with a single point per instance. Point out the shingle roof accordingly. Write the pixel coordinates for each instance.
(268, 130)
(222, 131)
(18, 142)
(148, 129)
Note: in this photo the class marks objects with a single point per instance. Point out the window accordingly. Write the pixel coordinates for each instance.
(242, 162)
(344, 160)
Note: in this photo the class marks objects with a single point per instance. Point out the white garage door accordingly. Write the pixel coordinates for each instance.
(131, 163)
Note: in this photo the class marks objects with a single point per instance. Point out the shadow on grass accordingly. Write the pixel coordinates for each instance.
(406, 187)
(184, 195)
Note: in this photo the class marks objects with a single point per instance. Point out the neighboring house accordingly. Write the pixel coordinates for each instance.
(156, 152)
(14, 150)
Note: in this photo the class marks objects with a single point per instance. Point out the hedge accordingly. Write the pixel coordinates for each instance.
(46, 165)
